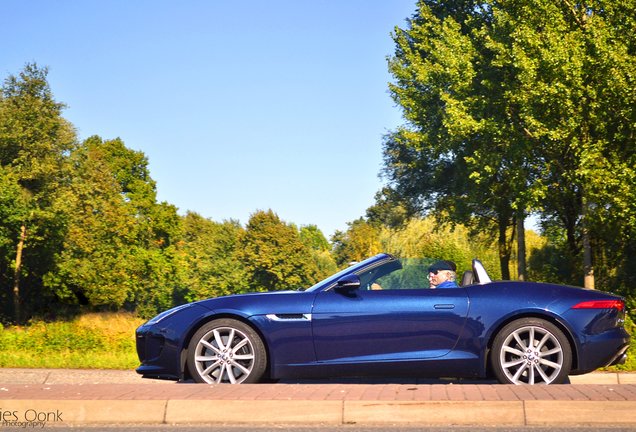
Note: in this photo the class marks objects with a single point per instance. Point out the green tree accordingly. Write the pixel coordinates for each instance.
(423, 238)
(360, 241)
(211, 264)
(518, 106)
(12, 215)
(320, 250)
(274, 255)
(313, 238)
(461, 156)
(389, 210)
(576, 63)
(119, 248)
(34, 142)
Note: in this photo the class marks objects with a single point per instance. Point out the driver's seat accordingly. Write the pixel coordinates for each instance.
(468, 278)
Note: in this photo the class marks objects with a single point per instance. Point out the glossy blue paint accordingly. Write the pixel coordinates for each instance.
(331, 330)
(387, 325)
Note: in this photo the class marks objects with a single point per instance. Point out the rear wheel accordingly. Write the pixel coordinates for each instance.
(226, 351)
(531, 351)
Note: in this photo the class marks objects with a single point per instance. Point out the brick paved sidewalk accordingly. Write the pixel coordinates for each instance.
(319, 392)
(106, 376)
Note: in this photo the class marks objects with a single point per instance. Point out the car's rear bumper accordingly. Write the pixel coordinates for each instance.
(603, 350)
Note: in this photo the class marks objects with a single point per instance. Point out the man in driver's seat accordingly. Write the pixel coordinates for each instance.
(442, 274)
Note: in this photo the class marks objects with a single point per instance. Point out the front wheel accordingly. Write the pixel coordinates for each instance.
(226, 351)
(531, 351)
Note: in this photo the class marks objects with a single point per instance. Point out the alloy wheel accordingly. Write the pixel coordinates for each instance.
(531, 355)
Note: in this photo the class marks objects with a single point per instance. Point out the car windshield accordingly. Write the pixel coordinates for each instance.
(387, 273)
(354, 267)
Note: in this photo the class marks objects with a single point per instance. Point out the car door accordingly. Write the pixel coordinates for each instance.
(387, 324)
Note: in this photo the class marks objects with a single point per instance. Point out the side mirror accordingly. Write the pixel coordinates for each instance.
(350, 282)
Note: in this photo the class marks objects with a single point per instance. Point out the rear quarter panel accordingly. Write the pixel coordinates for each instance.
(494, 305)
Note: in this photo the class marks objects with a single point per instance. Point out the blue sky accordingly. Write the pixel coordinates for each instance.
(238, 105)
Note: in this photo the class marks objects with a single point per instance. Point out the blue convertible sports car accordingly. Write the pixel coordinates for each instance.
(379, 317)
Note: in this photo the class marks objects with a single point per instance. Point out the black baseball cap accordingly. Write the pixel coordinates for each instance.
(442, 265)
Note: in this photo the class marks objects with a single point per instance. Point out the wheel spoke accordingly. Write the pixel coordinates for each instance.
(550, 352)
(513, 363)
(244, 357)
(239, 345)
(544, 339)
(545, 377)
(519, 341)
(210, 346)
(230, 339)
(221, 370)
(241, 367)
(203, 358)
(515, 378)
(531, 374)
(550, 364)
(210, 368)
(230, 373)
(219, 340)
(531, 338)
(512, 350)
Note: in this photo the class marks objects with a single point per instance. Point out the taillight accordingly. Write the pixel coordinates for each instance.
(601, 304)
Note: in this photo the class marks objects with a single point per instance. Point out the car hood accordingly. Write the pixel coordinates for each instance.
(274, 302)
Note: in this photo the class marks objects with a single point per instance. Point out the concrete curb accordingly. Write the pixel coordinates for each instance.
(301, 412)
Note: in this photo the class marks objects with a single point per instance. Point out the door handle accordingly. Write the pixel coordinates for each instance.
(444, 306)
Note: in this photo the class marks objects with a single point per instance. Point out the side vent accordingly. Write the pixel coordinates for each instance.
(289, 317)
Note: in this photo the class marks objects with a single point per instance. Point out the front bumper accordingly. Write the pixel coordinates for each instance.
(160, 345)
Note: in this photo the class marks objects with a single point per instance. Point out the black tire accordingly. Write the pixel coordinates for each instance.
(531, 351)
(226, 351)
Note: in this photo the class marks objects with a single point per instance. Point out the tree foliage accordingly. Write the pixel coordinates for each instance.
(416, 238)
(80, 225)
(211, 264)
(519, 106)
(274, 254)
(34, 142)
(118, 246)
(511, 107)
(460, 155)
(359, 242)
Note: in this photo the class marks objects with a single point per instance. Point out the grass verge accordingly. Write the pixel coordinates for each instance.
(91, 341)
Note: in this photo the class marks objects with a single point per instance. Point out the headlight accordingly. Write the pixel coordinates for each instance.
(166, 314)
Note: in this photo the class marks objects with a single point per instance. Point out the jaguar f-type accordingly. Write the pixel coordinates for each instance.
(380, 317)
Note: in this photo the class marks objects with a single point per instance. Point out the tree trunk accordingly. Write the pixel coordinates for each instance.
(504, 249)
(17, 303)
(588, 267)
(521, 247)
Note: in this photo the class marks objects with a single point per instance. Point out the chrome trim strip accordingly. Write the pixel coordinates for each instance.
(289, 317)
